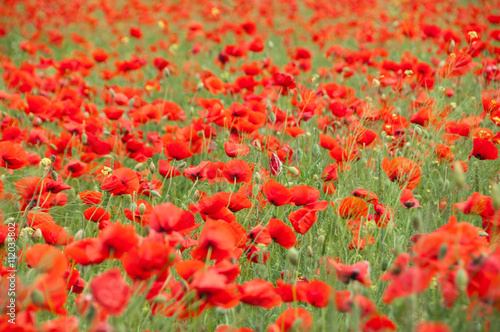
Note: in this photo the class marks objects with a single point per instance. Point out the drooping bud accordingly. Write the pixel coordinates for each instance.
(155, 194)
(85, 139)
(53, 175)
(272, 117)
(299, 154)
(138, 166)
(294, 171)
(152, 167)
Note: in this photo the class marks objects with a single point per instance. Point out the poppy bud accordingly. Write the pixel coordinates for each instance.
(461, 279)
(85, 139)
(200, 133)
(37, 298)
(442, 251)
(9, 221)
(256, 145)
(315, 178)
(272, 117)
(257, 178)
(316, 150)
(159, 299)
(138, 166)
(166, 72)
(376, 82)
(142, 208)
(78, 236)
(255, 190)
(452, 46)
(155, 193)
(112, 93)
(197, 195)
(200, 86)
(182, 165)
(384, 265)
(53, 175)
(310, 251)
(416, 221)
(459, 174)
(495, 195)
(299, 154)
(37, 236)
(152, 167)
(293, 256)
(321, 240)
(53, 158)
(294, 171)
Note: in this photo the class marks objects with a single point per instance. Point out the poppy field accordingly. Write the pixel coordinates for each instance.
(249, 165)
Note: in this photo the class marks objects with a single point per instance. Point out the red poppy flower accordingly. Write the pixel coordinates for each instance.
(478, 204)
(122, 181)
(276, 193)
(111, 292)
(359, 272)
(168, 218)
(344, 302)
(85, 252)
(116, 239)
(90, 197)
(293, 319)
(281, 233)
(96, 214)
(411, 281)
(407, 200)
(302, 220)
(378, 323)
(237, 171)
(432, 327)
(167, 170)
(12, 155)
(352, 208)
(53, 289)
(177, 150)
(302, 195)
(214, 84)
(318, 293)
(367, 195)
(236, 150)
(330, 173)
(260, 293)
(405, 172)
(217, 238)
(51, 232)
(46, 259)
(484, 149)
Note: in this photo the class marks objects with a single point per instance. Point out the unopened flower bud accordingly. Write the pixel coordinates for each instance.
(78, 236)
(316, 150)
(321, 240)
(461, 279)
(85, 139)
(310, 251)
(152, 167)
(459, 174)
(182, 165)
(294, 171)
(495, 195)
(155, 193)
(299, 154)
(293, 256)
(315, 178)
(37, 236)
(142, 208)
(272, 117)
(442, 251)
(257, 178)
(53, 175)
(37, 298)
(256, 144)
(138, 166)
